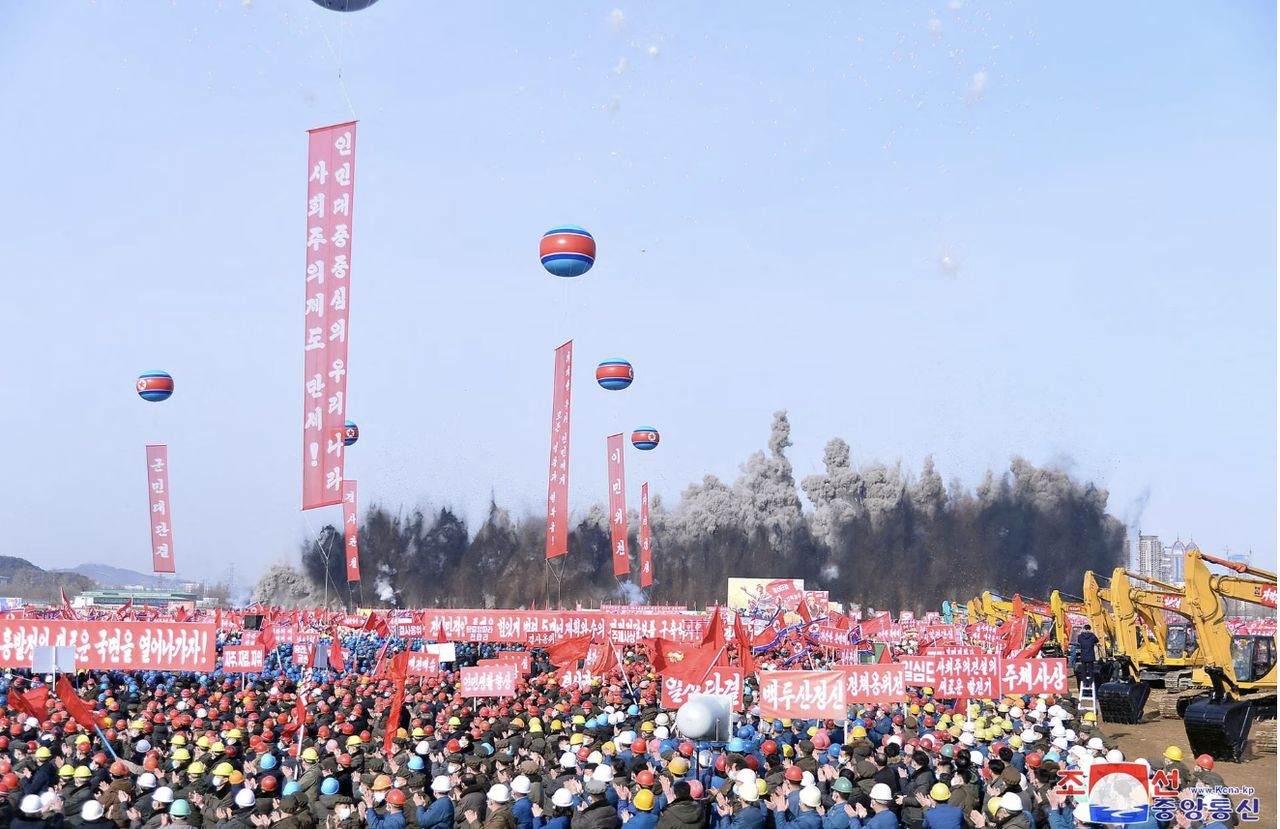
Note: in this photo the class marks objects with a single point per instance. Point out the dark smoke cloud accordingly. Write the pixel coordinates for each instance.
(876, 535)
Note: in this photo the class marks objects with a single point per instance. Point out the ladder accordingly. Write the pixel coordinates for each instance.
(1088, 696)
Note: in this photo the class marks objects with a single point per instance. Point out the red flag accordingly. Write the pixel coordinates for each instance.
(746, 656)
(399, 672)
(1018, 609)
(377, 663)
(1034, 648)
(120, 614)
(66, 604)
(714, 637)
(569, 651)
(180, 614)
(687, 663)
(76, 707)
(32, 703)
(335, 657)
(377, 625)
(267, 638)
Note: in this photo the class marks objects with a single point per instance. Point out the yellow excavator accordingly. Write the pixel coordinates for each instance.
(1164, 653)
(1096, 612)
(1241, 668)
(997, 610)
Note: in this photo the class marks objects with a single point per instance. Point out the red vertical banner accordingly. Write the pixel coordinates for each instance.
(330, 186)
(618, 506)
(158, 509)
(558, 473)
(646, 560)
(350, 530)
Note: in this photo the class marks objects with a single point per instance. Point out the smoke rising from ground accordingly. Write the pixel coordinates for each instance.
(876, 535)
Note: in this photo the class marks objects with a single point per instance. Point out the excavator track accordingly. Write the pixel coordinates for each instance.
(1263, 737)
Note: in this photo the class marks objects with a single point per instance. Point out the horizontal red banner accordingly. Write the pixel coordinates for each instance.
(130, 646)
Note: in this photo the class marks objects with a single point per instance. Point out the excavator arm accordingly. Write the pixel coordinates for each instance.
(1246, 661)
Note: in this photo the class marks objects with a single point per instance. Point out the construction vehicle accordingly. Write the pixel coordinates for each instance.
(1165, 654)
(1240, 668)
(1096, 613)
(997, 610)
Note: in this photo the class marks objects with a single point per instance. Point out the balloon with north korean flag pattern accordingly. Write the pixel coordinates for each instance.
(645, 438)
(567, 250)
(155, 386)
(614, 375)
(350, 434)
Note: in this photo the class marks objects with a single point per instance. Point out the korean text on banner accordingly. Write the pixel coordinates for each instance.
(919, 669)
(330, 188)
(803, 695)
(158, 509)
(1033, 676)
(423, 664)
(351, 530)
(558, 474)
(490, 680)
(881, 683)
(721, 682)
(618, 506)
(646, 559)
(125, 646)
(976, 677)
(242, 659)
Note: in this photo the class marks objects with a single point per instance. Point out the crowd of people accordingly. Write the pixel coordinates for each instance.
(302, 752)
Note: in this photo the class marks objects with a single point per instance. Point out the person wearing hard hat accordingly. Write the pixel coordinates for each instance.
(521, 805)
(810, 799)
(1173, 762)
(881, 815)
(562, 803)
(643, 816)
(939, 813)
(842, 793)
(498, 810)
(682, 811)
(46, 772)
(1009, 814)
(92, 816)
(80, 791)
(917, 780)
(744, 812)
(1204, 775)
(438, 815)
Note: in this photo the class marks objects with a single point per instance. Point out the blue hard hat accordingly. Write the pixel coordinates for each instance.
(291, 787)
(633, 711)
(834, 751)
(736, 745)
(329, 786)
(415, 763)
(267, 762)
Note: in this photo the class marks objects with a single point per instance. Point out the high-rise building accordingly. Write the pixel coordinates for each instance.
(1150, 555)
(1129, 561)
(1173, 561)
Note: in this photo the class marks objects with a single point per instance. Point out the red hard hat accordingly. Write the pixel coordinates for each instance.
(722, 763)
(1204, 761)
(344, 759)
(583, 754)
(753, 762)
(268, 784)
(795, 774)
(395, 797)
(1034, 759)
(453, 747)
(644, 777)
(695, 789)
(119, 769)
(638, 746)
(897, 719)
(9, 781)
(822, 741)
(768, 747)
(686, 749)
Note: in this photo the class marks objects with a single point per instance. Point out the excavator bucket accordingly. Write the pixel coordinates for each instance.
(1123, 702)
(1218, 728)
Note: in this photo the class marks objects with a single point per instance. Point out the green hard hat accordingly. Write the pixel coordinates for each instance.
(180, 808)
(843, 785)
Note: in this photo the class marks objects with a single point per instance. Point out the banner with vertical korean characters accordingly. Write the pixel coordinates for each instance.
(881, 683)
(125, 646)
(330, 188)
(558, 473)
(497, 680)
(158, 509)
(646, 559)
(803, 695)
(351, 530)
(618, 506)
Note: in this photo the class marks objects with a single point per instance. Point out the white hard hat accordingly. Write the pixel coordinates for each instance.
(422, 749)
(603, 773)
(1029, 736)
(661, 733)
(881, 792)
(595, 758)
(1015, 713)
(976, 758)
(747, 791)
(245, 798)
(966, 739)
(562, 799)
(663, 719)
(1010, 802)
(806, 780)
(811, 797)
(146, 780)
(745, 776)
(521, 784)
(441, 784)
(1115, 755)
(164, 794)
(499, 793)
(1059, 743)
(568, 761)
(92, 810)
(1095, 744)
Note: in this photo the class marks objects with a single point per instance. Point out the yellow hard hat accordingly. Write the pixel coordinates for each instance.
(940, 791)
(643, 800)
(454, 722)
(178, 740)
(787, 750)
(928, 692)
(678, 765)
(1015, 741)
(556, 725)
(517, 722)
(858, 731)
(761, 786)
(137, 725)
(578, 719)
(181, 754)
(234, 734)
(1089, 716)
(217, 748)
(83, 772)
(83, 740)
(914, 708)
(646, 728)
(353, 740)
(535, 726)
(418, 733)
(66, 770)
(310, 754)
(43, 753)
(608, 748)
(575, 739)
(813, 729)
(1173, 753)
(786, 723)
(993, 806)
(222, 770)
(195, 768)
(203, 741)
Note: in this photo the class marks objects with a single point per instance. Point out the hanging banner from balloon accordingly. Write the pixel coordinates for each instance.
(558, 473)
(158, 511)
(350, 530)
(617, 507)
(330, 188)
(646, 561)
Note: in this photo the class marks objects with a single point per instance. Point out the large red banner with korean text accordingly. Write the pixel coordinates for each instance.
(330, 188)
(786, 593)
(126, 646)
(976, 677)
(646, 554)
(421, 663)
(630, 628)
(490, 680)
(558, 473)
(618, 506)
(803, 695)
(1034, 676)
(919, 669)
(830, 636)
(722, 682)
(158, 509)
(878, 683)
(351, 530)
(242, 659)
(522, 660)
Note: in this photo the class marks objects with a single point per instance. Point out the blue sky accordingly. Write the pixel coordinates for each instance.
(962, 228)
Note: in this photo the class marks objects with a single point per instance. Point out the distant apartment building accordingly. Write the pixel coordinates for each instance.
(1150, 556)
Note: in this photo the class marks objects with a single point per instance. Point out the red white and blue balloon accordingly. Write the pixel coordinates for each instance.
(567, 250)
(645, 438)
(155, 386)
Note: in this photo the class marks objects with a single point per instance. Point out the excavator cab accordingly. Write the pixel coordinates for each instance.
(1180, 641)
(1252, 657)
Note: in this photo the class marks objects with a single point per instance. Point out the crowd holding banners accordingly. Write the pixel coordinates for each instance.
(583, 740)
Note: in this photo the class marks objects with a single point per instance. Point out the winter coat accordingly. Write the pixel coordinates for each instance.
(599, 815)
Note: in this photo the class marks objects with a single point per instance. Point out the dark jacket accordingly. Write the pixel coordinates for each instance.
(682, 814)
(1087, 644)
(600, 814)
